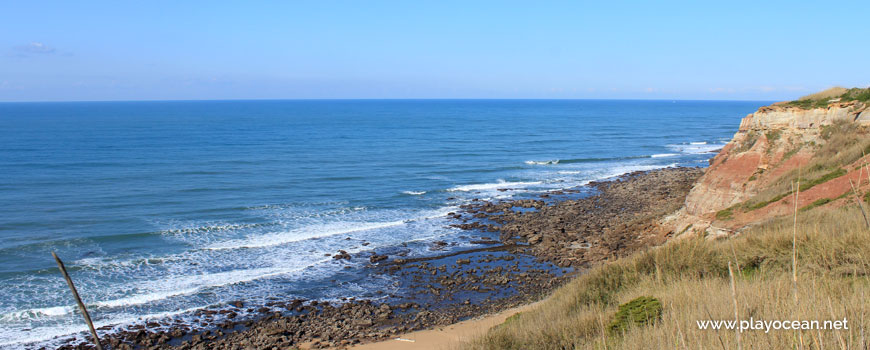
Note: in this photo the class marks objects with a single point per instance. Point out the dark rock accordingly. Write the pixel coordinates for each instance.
(341, 255)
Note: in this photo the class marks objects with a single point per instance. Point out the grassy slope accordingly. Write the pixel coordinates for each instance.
(844, 143)
(821, 99)
(691, 279)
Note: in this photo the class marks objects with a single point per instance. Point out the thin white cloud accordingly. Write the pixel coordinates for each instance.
(721, 90)
(35, 48)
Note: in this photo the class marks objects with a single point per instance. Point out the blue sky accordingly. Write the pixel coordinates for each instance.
(147, 50)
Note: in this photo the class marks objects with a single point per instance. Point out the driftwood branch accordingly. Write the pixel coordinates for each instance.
(860, 205)
(78, 299)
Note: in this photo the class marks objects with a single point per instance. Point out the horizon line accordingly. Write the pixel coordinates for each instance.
(387, 99)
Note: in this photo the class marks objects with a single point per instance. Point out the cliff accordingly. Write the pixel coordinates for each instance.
(755, 176)
(799, 155)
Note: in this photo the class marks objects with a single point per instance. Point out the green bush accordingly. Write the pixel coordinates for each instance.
(825, 178)
(724, 214)
(773, 135)
(791, 152)
(751, 139)
(638, 312)
(856, 94)
(806, 104)
(512, 318)
(818, 202)
(805, 185)
(853, 94)
(749, 206)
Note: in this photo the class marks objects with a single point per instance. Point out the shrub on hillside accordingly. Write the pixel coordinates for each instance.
(638, 312)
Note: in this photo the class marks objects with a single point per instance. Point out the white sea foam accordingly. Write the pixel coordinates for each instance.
(696, 147)
(185, 285)
(604, 173)
(169, 287)
(663, 155)
(209, 228)
(414, 193)
(542, 162)
(177, 286)
(35, 313)
(319, 230)
(152, 290)
(302, 234)
(45, 335)
(494, 186)
(189, 273)
(622, 170)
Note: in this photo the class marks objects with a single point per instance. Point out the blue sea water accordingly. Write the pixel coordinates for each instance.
(164, 207)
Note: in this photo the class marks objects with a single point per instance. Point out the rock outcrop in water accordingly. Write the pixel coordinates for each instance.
(751, 178)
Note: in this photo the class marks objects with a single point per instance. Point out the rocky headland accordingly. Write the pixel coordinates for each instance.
(816, 141)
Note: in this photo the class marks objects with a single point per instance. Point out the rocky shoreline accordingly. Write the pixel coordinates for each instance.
(542, 242)
(620, 218)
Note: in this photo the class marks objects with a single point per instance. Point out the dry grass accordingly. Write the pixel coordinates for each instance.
(821, 99)
(844, 143)
(691, 279)
(828, 94)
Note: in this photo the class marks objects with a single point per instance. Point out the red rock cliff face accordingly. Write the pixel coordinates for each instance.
(766, 145)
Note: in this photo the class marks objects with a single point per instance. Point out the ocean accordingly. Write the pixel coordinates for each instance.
(161, 208)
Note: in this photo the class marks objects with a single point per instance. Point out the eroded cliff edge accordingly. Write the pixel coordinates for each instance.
(812, 148)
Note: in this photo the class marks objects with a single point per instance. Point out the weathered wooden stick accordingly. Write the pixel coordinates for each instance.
(736, 313)
(75, 294)
(860, 205)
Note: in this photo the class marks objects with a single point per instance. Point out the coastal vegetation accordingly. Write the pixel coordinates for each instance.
(817, 203)
(773, 135)
(751, 139)
(725, 214)
(844, 143)
(638, 312)
(691, 280)
(836, 94)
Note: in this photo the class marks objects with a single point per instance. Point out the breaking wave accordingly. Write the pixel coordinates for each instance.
(542, 162)
(501, 184)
